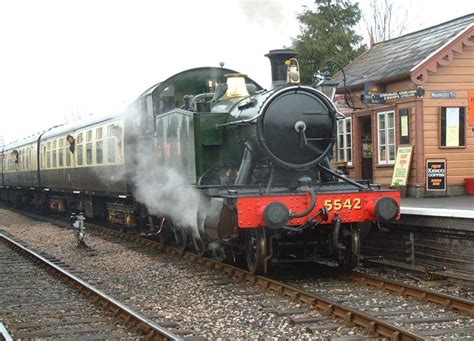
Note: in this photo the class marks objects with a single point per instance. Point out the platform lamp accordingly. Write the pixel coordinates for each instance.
(327, 85)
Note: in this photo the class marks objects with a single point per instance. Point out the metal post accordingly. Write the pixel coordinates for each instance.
(78, 223)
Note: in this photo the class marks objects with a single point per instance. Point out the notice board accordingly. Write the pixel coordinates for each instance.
(402, 166)
(436, 174)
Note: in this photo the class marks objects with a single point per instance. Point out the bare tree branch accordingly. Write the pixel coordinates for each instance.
(384, 20)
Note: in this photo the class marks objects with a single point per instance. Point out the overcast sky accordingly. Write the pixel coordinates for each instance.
(60, 59)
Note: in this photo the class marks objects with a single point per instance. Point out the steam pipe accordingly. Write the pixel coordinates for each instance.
(246, 167)
(339, 176)
(309, 209)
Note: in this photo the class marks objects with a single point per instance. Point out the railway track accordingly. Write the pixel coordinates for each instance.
(316, 308)
(374, 323)
(40, 299)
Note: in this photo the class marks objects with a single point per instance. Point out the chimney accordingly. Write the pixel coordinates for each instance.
(279, 68)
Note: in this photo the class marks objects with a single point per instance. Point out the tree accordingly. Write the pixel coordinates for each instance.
(383, 22)
(327, 33)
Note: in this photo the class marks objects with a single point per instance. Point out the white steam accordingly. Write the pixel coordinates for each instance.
(274, 14)
(163, 170)
(165, 192)
(159, 168)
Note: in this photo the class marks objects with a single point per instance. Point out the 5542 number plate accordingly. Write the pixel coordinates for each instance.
(339, 204)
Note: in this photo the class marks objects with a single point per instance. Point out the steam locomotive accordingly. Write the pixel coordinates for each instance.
(259, 161)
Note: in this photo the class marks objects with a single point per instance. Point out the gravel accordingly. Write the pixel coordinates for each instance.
(168, 289)
(49, 308)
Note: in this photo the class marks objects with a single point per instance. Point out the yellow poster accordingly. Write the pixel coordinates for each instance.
(404, 124)
(402, 166)
(452, 136)
(452, 127)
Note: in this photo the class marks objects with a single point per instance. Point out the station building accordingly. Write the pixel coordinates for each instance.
(415, 90)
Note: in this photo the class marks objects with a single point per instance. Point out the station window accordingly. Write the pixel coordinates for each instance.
(79, 138)
(344, 140)
(452, 127)
(386, 137)
(89, 136)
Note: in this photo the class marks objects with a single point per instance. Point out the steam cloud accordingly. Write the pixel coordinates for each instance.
(163, 187)
(264, 12)
(165, 192)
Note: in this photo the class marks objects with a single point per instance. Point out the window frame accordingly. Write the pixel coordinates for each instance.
(99, 141)
(79, 152)
(387, 160)
(462, 128)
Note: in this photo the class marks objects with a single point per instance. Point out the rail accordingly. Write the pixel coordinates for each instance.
(351, 317)
(133, 319)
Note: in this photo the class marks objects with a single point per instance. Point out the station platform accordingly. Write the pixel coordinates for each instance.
(449, 207)
(443, 215)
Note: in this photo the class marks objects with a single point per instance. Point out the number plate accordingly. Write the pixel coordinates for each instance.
(339, 204)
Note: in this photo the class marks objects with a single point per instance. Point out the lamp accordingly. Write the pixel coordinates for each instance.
(327, 85)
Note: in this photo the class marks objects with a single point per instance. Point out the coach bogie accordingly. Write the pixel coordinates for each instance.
(122, 214)
(57, 204)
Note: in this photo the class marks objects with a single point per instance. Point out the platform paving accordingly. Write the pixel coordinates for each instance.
(450, 207)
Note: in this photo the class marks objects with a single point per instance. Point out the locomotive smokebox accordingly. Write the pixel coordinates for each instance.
(279, 68)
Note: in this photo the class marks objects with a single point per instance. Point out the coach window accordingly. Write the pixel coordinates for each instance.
(386, 137)
(99, 147)
(89, 147)
(110, 144)
(48, 155)
(54, 153)
(68, 153)
(61, 153)
(30, 158)
(452, 127)
(79, 151)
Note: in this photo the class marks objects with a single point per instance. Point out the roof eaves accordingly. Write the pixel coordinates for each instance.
(441, 48)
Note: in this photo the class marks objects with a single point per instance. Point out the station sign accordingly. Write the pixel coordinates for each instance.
(436, 174)
(372, 93)
(443, 94)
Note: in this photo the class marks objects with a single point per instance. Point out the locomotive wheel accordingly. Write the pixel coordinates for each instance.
(351, 260)
(256, 251)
